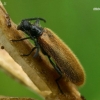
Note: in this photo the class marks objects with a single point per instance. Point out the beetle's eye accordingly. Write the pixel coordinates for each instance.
(26, 25)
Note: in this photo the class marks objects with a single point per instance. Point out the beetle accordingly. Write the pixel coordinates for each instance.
(64, 60)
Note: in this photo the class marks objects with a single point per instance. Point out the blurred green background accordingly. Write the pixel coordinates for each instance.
(76, 23)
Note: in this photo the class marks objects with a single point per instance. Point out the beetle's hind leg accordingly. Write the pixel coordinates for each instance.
(55, 67)
(57, 81)
(59, 71)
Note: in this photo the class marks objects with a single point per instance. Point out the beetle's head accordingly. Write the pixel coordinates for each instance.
(24, 25)
(33, 30)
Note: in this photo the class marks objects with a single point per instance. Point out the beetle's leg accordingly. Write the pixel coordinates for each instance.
(55, 66)
(37, 52)
(57, 81)
(29, 52)
(20, 39)
(36, 47)
(59, 71)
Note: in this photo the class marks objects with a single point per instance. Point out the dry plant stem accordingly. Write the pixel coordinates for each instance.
(16, 72)
(38, 69)
(14, 98)
(32, 66)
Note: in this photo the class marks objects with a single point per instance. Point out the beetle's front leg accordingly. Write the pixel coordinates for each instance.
(20, 39)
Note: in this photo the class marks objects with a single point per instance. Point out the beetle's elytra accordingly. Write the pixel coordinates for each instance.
(67, 63)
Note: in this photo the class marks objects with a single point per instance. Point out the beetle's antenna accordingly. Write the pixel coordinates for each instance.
(38, 21)
(37, 18)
